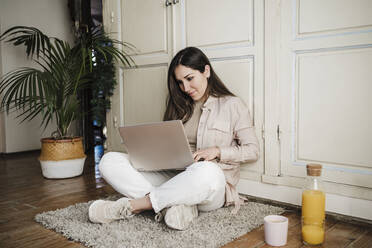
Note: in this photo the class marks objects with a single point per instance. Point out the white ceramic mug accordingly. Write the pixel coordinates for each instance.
(276, 230)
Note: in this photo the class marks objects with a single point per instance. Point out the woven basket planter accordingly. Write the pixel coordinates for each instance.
(62, 158)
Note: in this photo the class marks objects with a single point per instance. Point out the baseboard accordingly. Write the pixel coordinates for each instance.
(343, 205)
(20, 154)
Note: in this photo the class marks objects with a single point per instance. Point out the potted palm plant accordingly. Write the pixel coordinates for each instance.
(51, 89)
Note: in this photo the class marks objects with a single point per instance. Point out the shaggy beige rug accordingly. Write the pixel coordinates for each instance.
(210, 229)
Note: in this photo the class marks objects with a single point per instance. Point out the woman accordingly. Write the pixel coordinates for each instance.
(220, 133)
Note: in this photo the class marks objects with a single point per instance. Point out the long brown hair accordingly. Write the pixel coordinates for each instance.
(180, 106)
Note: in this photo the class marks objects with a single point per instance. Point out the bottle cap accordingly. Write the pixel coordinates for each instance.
(314, 170)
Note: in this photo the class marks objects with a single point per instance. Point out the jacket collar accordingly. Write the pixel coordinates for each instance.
(210, 102)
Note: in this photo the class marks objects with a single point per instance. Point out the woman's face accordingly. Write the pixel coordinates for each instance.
(192, 82)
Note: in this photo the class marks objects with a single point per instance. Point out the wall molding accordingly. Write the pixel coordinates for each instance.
(344, 205)
(324, 32)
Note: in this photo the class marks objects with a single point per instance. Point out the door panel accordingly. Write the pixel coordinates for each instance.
(145, 94)
(333, 119)
(333, 15)
(149, 32)
(212, 23)
(241, 86)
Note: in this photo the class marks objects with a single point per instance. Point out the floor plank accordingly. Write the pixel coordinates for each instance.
(25, 193)
(364, 241)
(341, 235)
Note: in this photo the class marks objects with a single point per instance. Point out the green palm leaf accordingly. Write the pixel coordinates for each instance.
(51, 91)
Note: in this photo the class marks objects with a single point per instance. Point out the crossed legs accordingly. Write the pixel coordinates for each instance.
(201, 184)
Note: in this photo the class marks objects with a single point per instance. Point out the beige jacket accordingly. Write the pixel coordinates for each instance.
(225, 122)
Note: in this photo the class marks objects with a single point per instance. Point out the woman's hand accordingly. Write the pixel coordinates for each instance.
(207, 154)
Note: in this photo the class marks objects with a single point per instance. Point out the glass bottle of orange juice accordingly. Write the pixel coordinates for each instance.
(313, 207)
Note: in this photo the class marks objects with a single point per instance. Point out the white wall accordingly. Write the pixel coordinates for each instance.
(50, 16)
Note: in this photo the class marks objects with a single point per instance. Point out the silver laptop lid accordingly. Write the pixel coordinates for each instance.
(157, 146)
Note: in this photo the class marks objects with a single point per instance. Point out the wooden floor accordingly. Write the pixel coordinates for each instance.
(24, 193)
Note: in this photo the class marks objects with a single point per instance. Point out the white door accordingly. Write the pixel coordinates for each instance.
(325, 86)
(230, 34)
(141, 91)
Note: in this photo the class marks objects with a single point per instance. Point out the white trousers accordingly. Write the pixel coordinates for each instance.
(201, 184)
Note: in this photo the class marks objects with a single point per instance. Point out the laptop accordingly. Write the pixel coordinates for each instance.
(157, 146)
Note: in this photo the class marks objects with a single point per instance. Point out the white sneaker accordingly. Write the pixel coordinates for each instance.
(179, 217)
(160, 216)
(101, 211)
